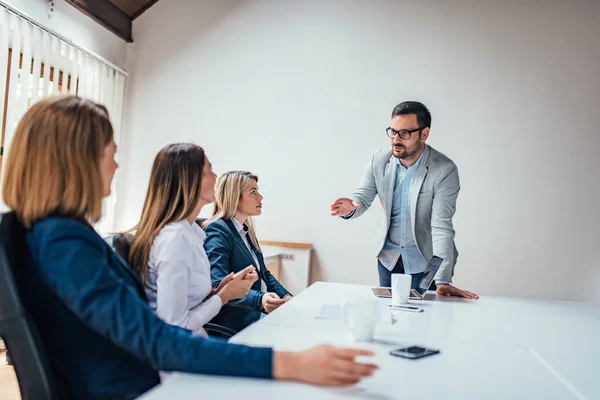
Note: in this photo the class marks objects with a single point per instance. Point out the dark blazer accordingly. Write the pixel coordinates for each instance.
(101, 337)
(227, 253)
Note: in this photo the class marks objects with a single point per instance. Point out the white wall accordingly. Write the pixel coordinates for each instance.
(300, 93)
(75, 26)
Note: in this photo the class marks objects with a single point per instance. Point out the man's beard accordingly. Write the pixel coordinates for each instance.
(409, 152)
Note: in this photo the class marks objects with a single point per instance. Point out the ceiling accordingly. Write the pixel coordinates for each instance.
(114, 15)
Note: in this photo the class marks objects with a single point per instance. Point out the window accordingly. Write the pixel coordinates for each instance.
(43, 89)
(46, 65)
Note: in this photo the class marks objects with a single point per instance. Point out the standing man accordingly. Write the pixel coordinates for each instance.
(417, 186)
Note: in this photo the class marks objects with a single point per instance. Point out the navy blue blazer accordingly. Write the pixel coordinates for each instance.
(101, 337)
(228, 253)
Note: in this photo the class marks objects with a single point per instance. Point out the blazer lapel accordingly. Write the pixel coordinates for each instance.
(416, 186)
(240, 243)
(389, 179)
(261, 260)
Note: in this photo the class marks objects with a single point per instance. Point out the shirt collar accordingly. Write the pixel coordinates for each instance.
(198, 230)
(241, 228)
(413, 167)
(192, 229)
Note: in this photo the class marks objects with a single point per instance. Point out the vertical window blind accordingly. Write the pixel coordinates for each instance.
(35, 63)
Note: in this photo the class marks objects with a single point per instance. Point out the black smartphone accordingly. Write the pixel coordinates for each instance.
(413, 352)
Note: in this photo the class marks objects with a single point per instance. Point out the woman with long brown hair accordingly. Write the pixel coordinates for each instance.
(100, 336)
(167, 250)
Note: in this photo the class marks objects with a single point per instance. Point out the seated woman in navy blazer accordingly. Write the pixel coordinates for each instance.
(101, 337)
(231, 245)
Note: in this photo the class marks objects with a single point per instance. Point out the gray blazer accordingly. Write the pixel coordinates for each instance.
(432, 205)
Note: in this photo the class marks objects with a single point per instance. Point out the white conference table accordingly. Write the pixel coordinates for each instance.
(491, 348)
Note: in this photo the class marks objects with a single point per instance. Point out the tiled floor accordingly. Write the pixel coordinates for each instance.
(9, 388)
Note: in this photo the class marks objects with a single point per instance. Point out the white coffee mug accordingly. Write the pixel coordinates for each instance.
(401, 288)
(360, 316)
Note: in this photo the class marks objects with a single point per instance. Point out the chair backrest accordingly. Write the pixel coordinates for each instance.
(20, 334)
(121, 243)
(200, 222)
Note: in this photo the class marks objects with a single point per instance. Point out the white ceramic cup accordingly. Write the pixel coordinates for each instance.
(360, 316)
(401, 288)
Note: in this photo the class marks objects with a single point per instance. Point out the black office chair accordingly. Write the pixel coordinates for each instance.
(19, 332)
(121, 243)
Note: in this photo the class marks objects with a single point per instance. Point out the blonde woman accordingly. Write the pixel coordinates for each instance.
(231, 245)
(167, 251)
(101, 338)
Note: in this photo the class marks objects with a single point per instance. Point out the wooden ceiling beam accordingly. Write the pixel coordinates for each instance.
(108, 15)
(143, 9)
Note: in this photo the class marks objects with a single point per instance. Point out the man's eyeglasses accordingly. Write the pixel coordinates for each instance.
(404, 134)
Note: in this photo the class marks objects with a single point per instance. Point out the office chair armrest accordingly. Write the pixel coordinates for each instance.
(219, 330)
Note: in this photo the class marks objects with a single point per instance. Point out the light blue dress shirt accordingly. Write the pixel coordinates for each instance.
(400, 241)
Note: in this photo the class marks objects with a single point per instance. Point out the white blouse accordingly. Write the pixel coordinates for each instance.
(179, 278)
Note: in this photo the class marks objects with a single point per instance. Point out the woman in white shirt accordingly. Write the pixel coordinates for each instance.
(168, 249)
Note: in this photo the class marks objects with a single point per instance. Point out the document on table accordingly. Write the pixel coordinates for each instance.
(335, 311)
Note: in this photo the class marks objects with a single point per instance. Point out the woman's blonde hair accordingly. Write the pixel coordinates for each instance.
(228, 192)
(53, 164)
(173, 194)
